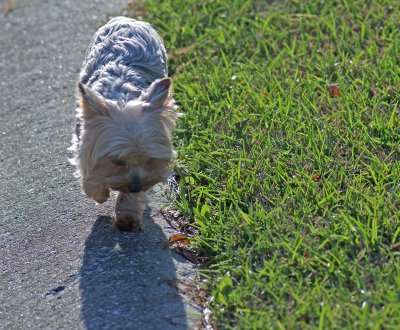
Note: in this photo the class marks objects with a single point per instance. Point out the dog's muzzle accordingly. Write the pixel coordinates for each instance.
(135, 187)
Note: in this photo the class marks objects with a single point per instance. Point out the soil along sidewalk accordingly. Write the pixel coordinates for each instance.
(63, 264)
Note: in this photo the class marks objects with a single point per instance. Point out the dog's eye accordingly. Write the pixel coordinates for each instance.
(118, 162)
(150, 162)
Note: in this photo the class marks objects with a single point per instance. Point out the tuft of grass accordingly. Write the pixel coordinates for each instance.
(295, 191)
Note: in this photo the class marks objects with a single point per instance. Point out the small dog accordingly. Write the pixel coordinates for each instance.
(125, 117)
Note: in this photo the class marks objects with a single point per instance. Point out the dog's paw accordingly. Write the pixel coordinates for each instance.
(99, 193)
(128, 222)
(102, 196)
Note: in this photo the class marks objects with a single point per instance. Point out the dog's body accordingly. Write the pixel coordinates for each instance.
(125, 117)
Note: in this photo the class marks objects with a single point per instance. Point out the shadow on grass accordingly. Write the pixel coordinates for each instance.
(125, 279)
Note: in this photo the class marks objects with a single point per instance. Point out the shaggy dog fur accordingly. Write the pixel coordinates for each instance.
(125, 117)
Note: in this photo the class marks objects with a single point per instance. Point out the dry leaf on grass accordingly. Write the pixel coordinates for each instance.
(181, 238)
(334, 91)
(180, 243)
(316, 177)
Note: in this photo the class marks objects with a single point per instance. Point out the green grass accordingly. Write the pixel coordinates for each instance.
(295, 194)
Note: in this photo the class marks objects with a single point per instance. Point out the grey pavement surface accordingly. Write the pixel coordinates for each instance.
(62, 263)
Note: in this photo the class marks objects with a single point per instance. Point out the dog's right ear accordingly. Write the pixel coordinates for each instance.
(92, 104)
(158, 94)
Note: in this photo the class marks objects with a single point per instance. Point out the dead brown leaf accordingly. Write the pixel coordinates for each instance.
(180, 243)
(316, 177)
(334, 91)
(181, 238)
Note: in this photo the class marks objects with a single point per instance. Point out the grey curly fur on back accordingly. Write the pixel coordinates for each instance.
(124, 57)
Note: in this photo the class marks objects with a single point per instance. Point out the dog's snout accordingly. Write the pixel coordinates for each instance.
(135, 187)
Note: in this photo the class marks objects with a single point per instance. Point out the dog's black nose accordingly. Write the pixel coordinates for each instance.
(135, 187)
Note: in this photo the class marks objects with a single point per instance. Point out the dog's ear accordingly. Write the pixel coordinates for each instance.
(158, 94)
(92, 104)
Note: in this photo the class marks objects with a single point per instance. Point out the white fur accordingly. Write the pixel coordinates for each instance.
(125, 115)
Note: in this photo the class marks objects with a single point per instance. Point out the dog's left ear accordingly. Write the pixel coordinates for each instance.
(158, 94)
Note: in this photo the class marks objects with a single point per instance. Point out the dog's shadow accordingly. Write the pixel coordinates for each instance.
(126, 279)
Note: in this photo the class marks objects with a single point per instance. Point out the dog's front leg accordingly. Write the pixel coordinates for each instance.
(129, 211)
(97, 192)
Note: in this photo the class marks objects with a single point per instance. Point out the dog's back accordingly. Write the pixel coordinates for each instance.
(124, 57)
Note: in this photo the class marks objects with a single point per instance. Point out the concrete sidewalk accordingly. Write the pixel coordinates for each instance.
(63, 265)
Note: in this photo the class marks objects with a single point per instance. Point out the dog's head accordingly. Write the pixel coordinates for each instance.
(127, 149)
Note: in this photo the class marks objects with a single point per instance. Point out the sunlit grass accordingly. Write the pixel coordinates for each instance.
(295, 194)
